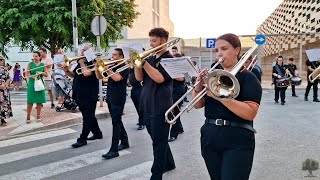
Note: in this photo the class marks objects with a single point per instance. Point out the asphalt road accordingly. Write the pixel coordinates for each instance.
(287, 135)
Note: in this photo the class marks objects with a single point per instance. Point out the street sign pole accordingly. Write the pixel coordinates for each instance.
(99, 50)
(211, 43)
(260, 39)
(210, 56)
(98, 28)
(75, 27)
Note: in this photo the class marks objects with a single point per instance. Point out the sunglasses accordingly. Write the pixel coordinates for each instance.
(1, 59)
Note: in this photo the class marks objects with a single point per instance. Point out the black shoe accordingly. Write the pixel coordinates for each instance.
(316, 100)
(181, 131)
(123, 146)
(282, 103)
(172, 139)
(110, 155)
(276, 101)
(94, 137)
(294, 95)
(169, 169)
(79, 144)
(52, 106)
(140, 127)
(186, 100)
(306, 98)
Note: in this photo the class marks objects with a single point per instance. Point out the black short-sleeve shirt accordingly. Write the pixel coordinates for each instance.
(132, 79)
(250, 90)
(256, 73)
(292, 68)
(282, 70)
(156, 98)
(116, 92)
(313, 65)
(85, 87)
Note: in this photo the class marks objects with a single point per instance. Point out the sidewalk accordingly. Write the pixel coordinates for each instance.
(51, 119)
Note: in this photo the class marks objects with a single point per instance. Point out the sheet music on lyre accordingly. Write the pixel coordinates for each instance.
(179, 67)
(131, 47)
(313, 54)
(90, 55)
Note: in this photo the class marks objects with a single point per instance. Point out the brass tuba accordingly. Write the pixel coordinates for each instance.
(222, 84)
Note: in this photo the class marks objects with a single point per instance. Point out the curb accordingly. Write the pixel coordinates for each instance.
(55, 126)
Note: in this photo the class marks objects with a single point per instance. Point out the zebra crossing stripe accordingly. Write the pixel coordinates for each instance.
(19, 155)
(35, 137)
(137, 172)
(59, 167)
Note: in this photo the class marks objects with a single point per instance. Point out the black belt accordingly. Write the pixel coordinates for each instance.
(222, 122)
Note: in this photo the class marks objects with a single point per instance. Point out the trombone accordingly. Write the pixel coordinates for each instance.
(222, 84)
(252, 63)
(100, 65)
(136, 60)
(314, 75)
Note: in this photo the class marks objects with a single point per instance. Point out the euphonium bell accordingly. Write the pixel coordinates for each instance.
(314, 75)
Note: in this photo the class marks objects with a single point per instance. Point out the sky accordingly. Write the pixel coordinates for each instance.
(211, 18)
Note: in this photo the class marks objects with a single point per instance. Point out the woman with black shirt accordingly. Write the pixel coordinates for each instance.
(227, 137)
(279, 71)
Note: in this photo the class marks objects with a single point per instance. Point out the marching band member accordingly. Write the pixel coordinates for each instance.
(85, 93)
(177, 93)
(116, 99)
(311, 67)
(293, 71)
(156, 98)
(227, 137)
(253, 70)
(279, 71)
(135, 96)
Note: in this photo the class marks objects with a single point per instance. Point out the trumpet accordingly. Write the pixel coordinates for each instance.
(314, 75)
(136, 60)
(222, 84)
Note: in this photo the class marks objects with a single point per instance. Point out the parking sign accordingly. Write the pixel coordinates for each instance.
(211, 43)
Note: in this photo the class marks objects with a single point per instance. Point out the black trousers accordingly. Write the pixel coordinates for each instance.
(177, 127)
(227, 151)
(135, 96)
(118, 131)
(158, 129)
(90, 123)
(293, 88)
(281, 91)
(315, 89)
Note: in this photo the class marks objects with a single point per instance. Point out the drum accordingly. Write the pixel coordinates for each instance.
(296, 81)
(283, 82)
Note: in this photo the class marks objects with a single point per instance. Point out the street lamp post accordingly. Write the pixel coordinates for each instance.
(75, 27)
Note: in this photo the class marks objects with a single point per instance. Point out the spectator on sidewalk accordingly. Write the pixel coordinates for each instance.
(38, 70)
(5, 103)
(59, 70)
(23, 75)
(16, 77)
(48, 61)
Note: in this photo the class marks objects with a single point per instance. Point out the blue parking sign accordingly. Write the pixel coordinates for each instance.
(211, 43)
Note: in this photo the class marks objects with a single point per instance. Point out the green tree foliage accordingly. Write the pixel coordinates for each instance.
(310, 165)
(33, 23)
